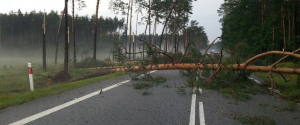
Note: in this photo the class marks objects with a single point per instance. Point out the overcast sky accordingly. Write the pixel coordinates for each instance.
(204, 11)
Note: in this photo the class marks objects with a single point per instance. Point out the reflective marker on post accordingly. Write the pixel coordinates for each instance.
(30, 77)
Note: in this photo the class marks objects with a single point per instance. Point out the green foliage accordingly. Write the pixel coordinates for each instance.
(255, 120)
(181, 90)
(250, 29)
(289, 89)
(292, 106)
(231, 82)
(21, 30)
(160, 79)
(143, 85)
(146, 93)
(90, 62)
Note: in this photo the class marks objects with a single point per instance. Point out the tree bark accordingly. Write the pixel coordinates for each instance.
(95, 30)
(283, 27)
(242, 67)
(44, 45)
(73, 32)
(0, 37)
(149, 20)
(126, 27)
(130, 27)
(214, 67)
(66, 61)
(57, 36)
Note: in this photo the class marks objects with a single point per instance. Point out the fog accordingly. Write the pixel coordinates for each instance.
(17, 55)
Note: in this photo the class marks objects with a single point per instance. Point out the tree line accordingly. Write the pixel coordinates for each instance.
(257, 26)
(18, 29)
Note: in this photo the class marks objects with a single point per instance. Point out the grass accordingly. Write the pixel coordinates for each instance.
(11, 99)
(292, 106)
(14, 83)
(289, 89)
(147, 93)
(255, 120)
(16, 79)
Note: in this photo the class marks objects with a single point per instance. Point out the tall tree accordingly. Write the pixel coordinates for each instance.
(57, 36)
(44, 43)
(66, 61)
(95, 30)
(73, 33)
(130, 27)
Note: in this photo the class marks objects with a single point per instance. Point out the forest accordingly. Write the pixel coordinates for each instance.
(19, 29)
(257, 26)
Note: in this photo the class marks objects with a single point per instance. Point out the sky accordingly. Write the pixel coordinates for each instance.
(204, 11)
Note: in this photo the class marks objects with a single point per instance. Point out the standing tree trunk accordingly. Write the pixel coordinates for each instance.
(175, 41)
(283, 27)
(126, 27)
(130, 27)
(134, 46)
(95, 30)
(73, 32)
(149, 20)
(57, 37)
(66, 61)
(0, 37)
(44, 44)
(12, 32)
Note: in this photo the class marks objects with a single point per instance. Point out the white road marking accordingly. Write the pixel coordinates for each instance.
(201, 113)
(193, 108)
(59, 107)
(200, 90)
(255, 80)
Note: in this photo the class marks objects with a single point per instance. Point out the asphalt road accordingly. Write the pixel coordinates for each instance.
(169, 103)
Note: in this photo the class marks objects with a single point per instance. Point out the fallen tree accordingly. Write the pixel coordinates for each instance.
(242, 67)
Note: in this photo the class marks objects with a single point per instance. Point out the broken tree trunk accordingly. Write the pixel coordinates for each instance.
(243, 66)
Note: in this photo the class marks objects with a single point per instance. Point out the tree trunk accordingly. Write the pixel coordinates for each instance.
(95, 30)
(57, 36)
(283, 28)
(126, 27)
(214, 67)
(154, 32)
(242, 67)
(44, 45)
(66, 61)
(12, 32)
(137, 17)
(130, 27)
(73, 32)
(0, 37)
(149, 20)
(175, 40)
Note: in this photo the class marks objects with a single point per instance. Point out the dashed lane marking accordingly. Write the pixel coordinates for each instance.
(59, 107)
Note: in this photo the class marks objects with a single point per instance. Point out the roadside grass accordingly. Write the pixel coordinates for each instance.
(15, 80)
(11, 99)
(255, 120)
(289, 89)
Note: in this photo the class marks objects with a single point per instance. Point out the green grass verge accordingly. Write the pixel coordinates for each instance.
(11, 99)
(255, 120)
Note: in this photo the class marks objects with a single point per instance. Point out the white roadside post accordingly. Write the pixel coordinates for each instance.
(30, 77)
